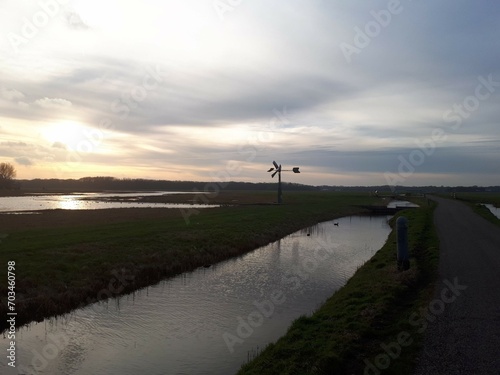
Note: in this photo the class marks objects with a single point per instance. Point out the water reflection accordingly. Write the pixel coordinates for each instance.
(394, 204)
(70, 203)
(178, 325)
(83, 202)
(494, 210)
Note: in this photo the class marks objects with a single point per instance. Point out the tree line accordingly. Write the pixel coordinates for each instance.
(99, 183)
(129, 184)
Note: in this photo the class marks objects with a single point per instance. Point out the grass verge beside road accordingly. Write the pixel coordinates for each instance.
(347, 334)
(475, 201)
(70, 264)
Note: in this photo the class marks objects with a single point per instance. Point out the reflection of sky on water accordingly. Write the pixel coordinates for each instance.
(394, 204)
(70, 204)
(82, 202)
(494, 210)
(177, 325)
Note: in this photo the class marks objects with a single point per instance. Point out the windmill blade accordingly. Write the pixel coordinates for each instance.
(275, 164)
(274, 173)
(271, 169)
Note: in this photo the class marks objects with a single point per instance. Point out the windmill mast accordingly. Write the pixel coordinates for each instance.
(277, 170)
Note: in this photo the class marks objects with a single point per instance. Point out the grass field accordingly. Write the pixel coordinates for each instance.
(66, 260)
(372, 309)
(475, 199)
(493, 198)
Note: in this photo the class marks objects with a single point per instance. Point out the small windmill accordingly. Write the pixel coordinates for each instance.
(277, 169)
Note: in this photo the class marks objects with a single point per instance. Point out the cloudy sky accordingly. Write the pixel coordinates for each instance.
(354, 92)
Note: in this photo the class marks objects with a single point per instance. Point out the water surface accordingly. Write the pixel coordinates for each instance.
(84, 201)
(192, 324)
(398, 203)
(494, 210)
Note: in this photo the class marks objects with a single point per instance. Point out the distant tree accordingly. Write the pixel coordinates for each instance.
(7, 174)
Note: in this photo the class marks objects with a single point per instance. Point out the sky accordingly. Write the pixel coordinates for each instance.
(352, 92)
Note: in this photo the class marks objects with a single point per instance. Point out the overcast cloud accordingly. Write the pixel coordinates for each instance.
(353, 92)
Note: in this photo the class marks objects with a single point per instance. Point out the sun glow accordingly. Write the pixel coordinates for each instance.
(67, 134)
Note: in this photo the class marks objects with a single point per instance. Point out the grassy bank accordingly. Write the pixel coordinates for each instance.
(474, 200)
(69, 265)
(370, 310)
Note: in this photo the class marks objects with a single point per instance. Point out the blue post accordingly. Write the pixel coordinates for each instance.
(402, 232)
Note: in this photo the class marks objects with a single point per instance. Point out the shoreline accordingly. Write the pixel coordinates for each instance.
(137, 251)
(123, 282)
(350, 331)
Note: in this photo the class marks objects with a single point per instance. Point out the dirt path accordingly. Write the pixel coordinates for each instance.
(465, 337)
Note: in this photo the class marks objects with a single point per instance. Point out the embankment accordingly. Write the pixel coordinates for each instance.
(359, 329)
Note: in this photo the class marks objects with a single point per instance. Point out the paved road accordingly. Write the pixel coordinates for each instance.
(465, 337)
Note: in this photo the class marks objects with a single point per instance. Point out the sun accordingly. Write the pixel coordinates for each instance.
(68, 133)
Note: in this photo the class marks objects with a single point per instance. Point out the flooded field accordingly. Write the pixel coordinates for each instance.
(85, 201)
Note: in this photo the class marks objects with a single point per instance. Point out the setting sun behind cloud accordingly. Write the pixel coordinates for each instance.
(67, 133)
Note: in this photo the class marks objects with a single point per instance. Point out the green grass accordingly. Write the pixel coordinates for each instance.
(474, 200)
(63, 268)
(371, 309)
